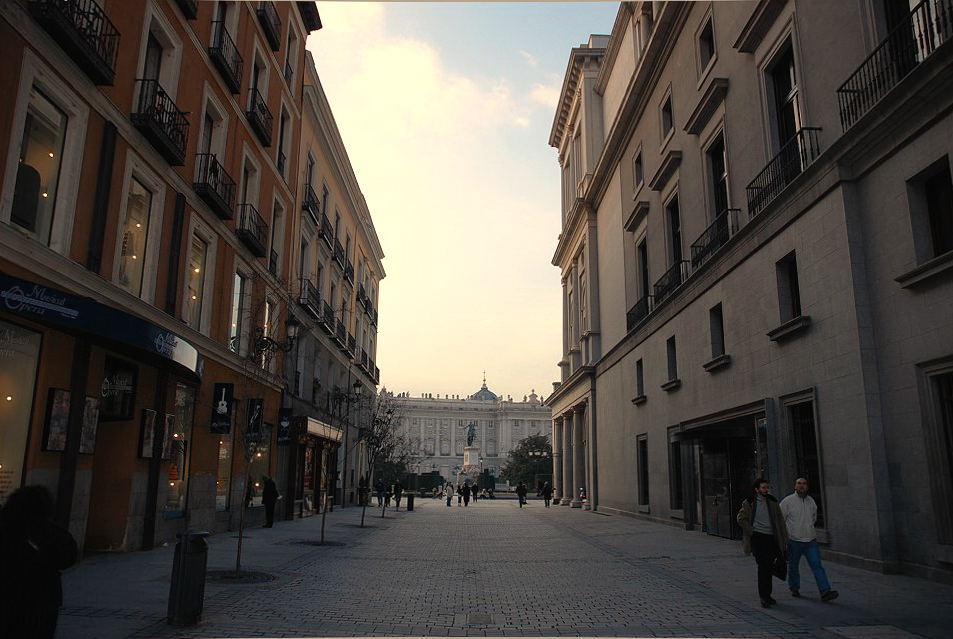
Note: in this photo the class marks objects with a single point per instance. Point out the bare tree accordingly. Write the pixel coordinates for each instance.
(380, 440)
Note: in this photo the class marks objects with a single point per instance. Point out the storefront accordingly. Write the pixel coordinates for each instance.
(310, 462)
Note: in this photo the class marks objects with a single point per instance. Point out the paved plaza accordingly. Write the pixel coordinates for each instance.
(492, 569)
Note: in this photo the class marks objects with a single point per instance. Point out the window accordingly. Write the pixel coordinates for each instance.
(277, 233)
(291, 54)
(674, 231)
(789, 296)
(672, 358)
(236, 325)
(281, 160)
(198, 257)
(38, 170)
(639, 379)
(718, 168)
(784, 92)
(223, 477)
(178, 471)
(135, 231)
(706, 45)
(642, 451)
(638, 173)
(674, 470)
(807, 461)
(643, 258)
(931, 210)
(938, 426)
(667, 119)
(717, 328)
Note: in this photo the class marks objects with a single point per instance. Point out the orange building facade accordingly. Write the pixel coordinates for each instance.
(150, 225)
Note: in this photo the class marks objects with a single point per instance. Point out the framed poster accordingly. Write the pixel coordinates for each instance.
(147, 436)
(87, 443)
(222, 397)
(57, 420)
(167, 437)
(255, 413)
(118, 390)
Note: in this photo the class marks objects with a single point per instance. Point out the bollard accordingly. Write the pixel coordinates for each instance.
(410, 501)
(187, 590)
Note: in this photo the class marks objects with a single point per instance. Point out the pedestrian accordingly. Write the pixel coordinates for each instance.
(547, 493)
(398, 491)
(387, 495)
(474, 490)
(269, 497)
(379, 489)
(33, 551)
(448, 493)
(764, 534)
(800, 515)
(459, 495)
(465, 491)
(521, 493)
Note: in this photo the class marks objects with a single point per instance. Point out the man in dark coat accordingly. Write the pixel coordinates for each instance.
(398, 491)
(269, 497)
(763, 534)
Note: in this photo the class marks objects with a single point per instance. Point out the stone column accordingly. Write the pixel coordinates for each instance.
(557, 458)
(567, 460)
(579, 455)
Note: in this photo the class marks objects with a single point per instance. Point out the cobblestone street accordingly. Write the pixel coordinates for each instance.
(492, 569)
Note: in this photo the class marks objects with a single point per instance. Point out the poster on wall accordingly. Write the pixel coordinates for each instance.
(118, 390)
(148, 433)
(256, 407)
(284, 426)
(87, 443)
(222, 403)
(57, 420)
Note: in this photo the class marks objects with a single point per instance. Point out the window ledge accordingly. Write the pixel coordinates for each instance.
(722, 361)
(643, 508)
(667, 169)
(672, 385)
(790, 328)
(641, 399)
(926, 271)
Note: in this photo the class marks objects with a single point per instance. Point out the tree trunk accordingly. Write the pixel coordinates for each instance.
(241, 537)
(324, 516)
(363, 512)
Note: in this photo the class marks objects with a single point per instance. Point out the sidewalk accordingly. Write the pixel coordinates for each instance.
(492, 569)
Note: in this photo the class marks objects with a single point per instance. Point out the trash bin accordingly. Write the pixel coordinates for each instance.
(410, 501)
(187, 590)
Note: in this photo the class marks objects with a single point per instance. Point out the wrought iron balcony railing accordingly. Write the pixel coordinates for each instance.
(338, 253)
(327, 231)
(309, 298)
(327, 320)
(214, 185)
(259, 116)
(349, 272)
(929, 25)
(310, 204)
(226, 57)
(377, 375)
(83, 30)
(270, 23)
(340, 334)
(362, 296)
(363, 359)
(351, 345)
(252, 229)
(639, 311)
(161, 122)
(795, 156)
(715, 236)
(273, 262)
(670, 281)
(190, 8)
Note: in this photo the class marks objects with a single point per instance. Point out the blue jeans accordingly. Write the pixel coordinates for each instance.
(810, 550)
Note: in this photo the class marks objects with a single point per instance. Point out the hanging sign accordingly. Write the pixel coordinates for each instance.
(256, 407)
(222, 398)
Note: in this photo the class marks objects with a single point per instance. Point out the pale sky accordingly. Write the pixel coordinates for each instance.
(445, 110)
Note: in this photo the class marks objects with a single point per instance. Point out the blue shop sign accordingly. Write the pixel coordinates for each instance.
(85, 315)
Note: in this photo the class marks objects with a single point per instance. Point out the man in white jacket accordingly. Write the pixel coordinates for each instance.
(800, 514)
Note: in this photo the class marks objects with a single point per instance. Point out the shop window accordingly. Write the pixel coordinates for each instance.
(789, 293)
(178, 450)
(19, 355)
(260, 464)
(135, 233)
(642, 451)
(807, 460)
(223, 479)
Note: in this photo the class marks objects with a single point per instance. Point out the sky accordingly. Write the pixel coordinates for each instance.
(445, 110)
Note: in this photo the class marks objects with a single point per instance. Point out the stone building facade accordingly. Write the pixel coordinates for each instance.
(756, 253)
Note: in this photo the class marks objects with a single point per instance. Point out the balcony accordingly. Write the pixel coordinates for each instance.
(639, 311)
(161, 122)
(349, 272)
(259, 116)
(927, 27)
(327, 231)
(327, 318)
(214, 185)
(190, 8)
(795, 156)
(351, 345)
(226, 58)
(668, 283)
(377, 375)
(289, 74)
(252, 229)
(362, 296)
(714, 237)
(339, 253)
(309, 298)
(82, 29)
(270, 23)
(310, 204)
(363, 359)
(273, 263)
(340, 334)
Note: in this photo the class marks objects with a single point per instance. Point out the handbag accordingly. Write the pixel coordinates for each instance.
(779, 567)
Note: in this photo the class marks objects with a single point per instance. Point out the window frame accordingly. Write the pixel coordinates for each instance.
(705, 66)
(198, 227)
(155, 23)
(941, 491)
(139, 169)
(921, 221)
(787, 402)
(643, 496)
(666, 134)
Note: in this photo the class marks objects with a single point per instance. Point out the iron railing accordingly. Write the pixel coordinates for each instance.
(270, 23)
(377, 375)
(363, 359)
(670, 281)
(795, 156)
(928, 26)
(327, 231)
(362, 296)
(349, 271)
(161, 122)
(715, 236)
(214, 185)
(328, 319)
(338, 253)
(309, 298)
(226, 57)
(351, 345)
(259, 116)
(310, 204)
(273, 262)
(83, 30)
(639, 311)
(252, 229)
(340, 334)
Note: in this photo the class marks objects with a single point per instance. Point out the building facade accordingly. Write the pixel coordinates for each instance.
(756, 252)
(149, 229)
(436, 428)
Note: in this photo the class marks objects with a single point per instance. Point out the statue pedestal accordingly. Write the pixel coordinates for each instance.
(471, 458)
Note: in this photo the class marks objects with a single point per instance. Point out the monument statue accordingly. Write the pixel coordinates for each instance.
(471, 434)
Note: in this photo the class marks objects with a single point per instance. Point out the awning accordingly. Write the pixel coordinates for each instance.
(325, 431)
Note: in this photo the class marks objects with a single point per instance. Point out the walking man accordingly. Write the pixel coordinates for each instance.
(547, 493)
(448, 493)
(379, 489)
(764, 534)
(269, 497)
(465, 491)
(800, 515)
(521, 493)
(398, 491)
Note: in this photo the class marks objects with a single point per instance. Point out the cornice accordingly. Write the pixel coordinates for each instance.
(577, 59)
(758, 24)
